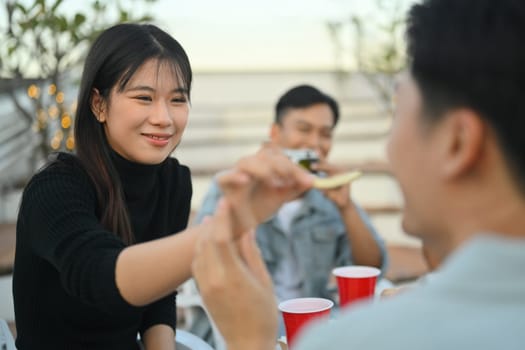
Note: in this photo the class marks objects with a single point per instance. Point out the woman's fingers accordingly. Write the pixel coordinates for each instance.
(206, 263)
(223, 237)
(215, 241)
(260, 184)
(252, 256)
(269, 166)
(229, 287)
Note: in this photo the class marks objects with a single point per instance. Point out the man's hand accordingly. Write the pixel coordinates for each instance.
(235, 285)
(258, 185)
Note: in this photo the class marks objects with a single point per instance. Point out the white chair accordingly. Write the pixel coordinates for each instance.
(7, 309)
(184, 340)
(6, 338)
(188, 341)
(188, 298)
(381, 285)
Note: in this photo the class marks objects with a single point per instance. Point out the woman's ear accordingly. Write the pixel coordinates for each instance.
(98, 106)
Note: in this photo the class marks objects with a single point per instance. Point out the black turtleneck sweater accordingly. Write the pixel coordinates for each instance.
(64, 286)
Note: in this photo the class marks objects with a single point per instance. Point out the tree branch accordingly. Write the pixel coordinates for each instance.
(24, 112)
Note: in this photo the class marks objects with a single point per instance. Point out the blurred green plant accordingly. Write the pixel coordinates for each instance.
(43, 44)
(374, 46)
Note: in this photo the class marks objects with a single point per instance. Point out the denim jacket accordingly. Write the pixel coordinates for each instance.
(319, 238)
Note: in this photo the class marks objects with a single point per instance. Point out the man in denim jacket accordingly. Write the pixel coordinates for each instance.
(309, 236)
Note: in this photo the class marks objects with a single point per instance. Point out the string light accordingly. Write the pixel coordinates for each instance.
(54, 115)
(59, 135)
(41, 115)
(60, 97)
(52, 89)
(70, 143)
(33, 91)
(66, 121)
(74, 107)
(53, 112)
(55, 143)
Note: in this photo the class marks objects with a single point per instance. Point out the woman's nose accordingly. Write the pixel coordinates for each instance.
(161, 115)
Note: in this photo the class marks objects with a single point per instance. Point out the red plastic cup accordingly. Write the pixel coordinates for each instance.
(300, 311)
(355, 283)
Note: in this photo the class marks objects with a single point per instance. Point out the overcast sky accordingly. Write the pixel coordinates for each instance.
(259, 34)
(254, 34)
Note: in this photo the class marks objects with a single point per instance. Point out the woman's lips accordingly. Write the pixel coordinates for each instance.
(158, 140)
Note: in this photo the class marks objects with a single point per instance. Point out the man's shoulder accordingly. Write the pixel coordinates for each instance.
(423, 318)
(387, 324)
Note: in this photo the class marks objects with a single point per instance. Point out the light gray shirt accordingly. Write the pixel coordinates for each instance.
(475, 301)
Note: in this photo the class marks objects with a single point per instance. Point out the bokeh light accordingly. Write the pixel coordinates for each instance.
(66, 121)
(52, 89)
(33, 91)
(60, 97)
(70, 143)
(53, 112)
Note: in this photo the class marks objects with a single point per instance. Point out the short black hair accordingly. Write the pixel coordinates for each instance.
(471, 53)
(303, 96)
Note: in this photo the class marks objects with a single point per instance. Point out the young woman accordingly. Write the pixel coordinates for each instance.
(96, 259)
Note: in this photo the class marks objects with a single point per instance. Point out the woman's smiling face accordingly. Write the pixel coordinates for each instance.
(145, 121)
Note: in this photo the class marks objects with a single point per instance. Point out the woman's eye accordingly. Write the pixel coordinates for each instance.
(179, 99)
(143, 98)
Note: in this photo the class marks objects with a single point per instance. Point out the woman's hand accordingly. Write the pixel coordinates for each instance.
(258, 185)
(234, 284)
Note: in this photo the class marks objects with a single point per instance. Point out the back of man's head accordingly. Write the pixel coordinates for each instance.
(303, 96)
(471, 54)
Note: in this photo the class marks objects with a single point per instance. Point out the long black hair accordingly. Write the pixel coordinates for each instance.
(111, 62)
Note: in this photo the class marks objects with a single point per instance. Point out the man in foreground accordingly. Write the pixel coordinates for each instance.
(456, 148)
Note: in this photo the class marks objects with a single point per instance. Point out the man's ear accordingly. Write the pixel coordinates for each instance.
(464, 142)
(98, 106)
